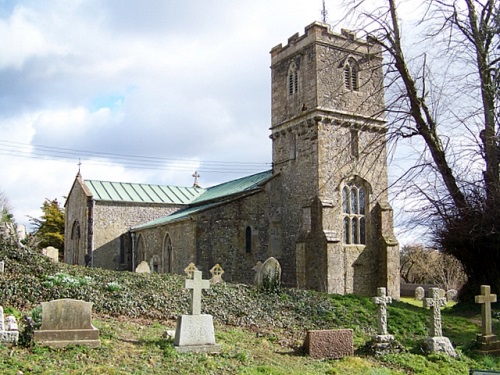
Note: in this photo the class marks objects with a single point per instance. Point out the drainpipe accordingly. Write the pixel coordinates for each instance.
(132, 236)
(90, 247)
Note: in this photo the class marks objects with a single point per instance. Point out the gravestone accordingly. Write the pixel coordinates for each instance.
(67, 322)
(189, 270)
(216, 272)
(436, 342)
(52, 253)
(331, 343)
(419, 293)
(9, 333)
(442, 293)
(257, 280)
(143, 267)
(2, 266)
(451, 295)
(488, 342)
(270, 275)
(195, 332)
(383, 340)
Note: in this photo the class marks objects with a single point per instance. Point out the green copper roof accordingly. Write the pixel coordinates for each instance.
(142, 193)
(233, 187)
(212, 197)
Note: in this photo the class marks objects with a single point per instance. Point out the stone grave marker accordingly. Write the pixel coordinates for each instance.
(442, 293)
(67, 322)
(216, 272)
(419, 293)
(189, 270)
(270, 275)
(9, 333)
(437, 342)
(143, 267)
(332, 343)
(52, 253)
(451, 295)
(487, 340)
(383, 339)
(258, 275)
(195, 332)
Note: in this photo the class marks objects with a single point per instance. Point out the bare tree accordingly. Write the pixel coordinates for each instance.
(443, 96)
(421, 265)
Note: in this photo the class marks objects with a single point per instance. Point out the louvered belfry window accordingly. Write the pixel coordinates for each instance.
(351, 75)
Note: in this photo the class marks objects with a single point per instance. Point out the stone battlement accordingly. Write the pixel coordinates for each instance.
(321, 33)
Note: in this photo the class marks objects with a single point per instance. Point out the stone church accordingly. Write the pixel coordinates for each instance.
(322, 210)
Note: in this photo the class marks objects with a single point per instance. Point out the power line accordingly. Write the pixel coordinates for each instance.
(33, 151)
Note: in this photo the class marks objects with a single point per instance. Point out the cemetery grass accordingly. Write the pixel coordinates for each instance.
(259, 333)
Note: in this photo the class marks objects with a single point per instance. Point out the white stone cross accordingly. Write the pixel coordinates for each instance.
(196, 284)
(381, 301)
(435, 302)
(486, 299)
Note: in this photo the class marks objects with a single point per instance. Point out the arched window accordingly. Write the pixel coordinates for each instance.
(353, 212)
(248, 240)
(293, 79)
(167, 254)
(140, 250)
(351, 74)
(75, 231)
(75, 238)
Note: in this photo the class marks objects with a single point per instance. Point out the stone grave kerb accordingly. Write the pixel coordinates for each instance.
(486, 299)
(196, 284)
(435, 303)
(381, 300)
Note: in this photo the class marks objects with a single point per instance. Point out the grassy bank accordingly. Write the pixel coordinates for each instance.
(259, 333)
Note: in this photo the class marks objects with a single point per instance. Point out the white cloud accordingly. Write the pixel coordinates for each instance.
(182, 81)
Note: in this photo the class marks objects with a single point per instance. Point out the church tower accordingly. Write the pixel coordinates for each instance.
(329, 151)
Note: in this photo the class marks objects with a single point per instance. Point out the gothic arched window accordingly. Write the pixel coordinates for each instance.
(248, 240)
(167, 254)
(353, 212)
(75, 231)
(293, 79)
(351, 74)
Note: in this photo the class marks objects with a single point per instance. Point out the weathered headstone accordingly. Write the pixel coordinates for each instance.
(189, 270)
(383, 340)
(332, 344)
(258, 275)
(143, 267)
(419, 293)
(8, 332)
(451, 295)
(437, 342)
(195, 332)
(67, 322)
(216, 272)
(52, 253)
(11, 323)
(442, 293)
(2, 266)
(487, 340)
(270, 275)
